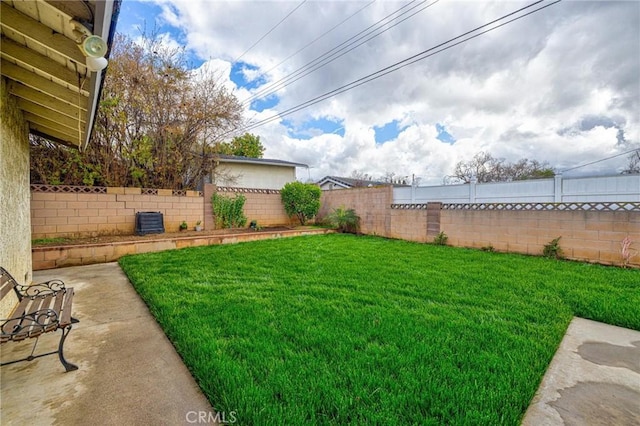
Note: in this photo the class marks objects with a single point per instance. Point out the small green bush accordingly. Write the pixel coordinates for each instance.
(441, 239)
(346, 220)
(228, 211)
(552, 249)
(254, 225)
(301, 199)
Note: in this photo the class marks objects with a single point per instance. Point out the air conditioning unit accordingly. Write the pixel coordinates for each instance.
(149, 223)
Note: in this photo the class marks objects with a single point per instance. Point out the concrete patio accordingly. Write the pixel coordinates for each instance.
(129, 371)
(131, 374)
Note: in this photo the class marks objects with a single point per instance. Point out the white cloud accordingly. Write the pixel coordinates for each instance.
(513, 92)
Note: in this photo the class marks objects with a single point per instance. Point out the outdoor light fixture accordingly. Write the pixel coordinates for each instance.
(93, 47)
(96, 64)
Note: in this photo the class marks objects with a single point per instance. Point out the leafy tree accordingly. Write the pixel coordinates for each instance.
(301, 199)
(54, 165)
(247, 145)
(634, 163)
(486, 168)
(156, 125)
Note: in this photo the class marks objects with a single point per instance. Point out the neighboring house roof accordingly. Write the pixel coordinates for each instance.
(265, 161)
(46, 70)
(351, 182)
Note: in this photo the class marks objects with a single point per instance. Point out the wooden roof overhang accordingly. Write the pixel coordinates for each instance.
(45, 69)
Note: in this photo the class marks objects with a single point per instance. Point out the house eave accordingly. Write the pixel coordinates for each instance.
(259, 161)
(45, 70)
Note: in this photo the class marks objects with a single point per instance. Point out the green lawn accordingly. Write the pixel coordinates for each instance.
(338, 329)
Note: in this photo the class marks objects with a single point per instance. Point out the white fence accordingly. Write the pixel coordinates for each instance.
(556, 190)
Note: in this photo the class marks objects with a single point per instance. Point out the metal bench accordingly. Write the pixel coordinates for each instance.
(41, 308)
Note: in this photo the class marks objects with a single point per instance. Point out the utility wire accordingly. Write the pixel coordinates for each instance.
(316, 39)
(269, 32)
(348, 45)
(401, 64)
(344, 47)
(600, 161)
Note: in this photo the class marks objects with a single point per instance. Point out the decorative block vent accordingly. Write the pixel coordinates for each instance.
(149, 223)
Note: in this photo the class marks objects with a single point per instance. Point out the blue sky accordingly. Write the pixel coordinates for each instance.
(314, 127)
(388, 131)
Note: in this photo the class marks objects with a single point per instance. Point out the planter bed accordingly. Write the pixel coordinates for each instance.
(86, 251)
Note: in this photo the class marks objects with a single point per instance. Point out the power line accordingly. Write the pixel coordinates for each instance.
(600, 161)
(269, 32)
(316, 39)
(330, 55)
(406, 62)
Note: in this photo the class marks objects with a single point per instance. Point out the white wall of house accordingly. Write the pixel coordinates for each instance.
(330, 186)
(263, 176)
(15, 219)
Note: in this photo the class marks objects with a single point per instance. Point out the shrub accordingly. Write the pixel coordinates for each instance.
(228, 212)
(301, 199)
(441, 239)
(346, 220)
(552, 249)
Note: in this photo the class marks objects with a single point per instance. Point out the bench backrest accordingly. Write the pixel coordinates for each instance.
(8, 295)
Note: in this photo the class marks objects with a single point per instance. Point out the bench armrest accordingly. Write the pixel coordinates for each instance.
(29, 324)
(40, 289)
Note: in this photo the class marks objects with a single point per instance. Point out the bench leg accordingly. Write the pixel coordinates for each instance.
(67, 365)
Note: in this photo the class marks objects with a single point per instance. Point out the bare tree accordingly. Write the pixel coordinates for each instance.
(361, 178)
(634, 163)
(392, 177)
(486, 168)
(158, 121)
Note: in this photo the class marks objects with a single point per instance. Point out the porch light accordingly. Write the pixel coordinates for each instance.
(93, 47)
(96, 64)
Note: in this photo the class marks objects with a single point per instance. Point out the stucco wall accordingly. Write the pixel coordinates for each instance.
(15, 232)
(256, 175)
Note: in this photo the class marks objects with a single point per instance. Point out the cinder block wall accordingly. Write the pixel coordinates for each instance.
(267, 209)
(594, 236)
(82, 215)
(421, 225)
(373, 205)
(263, 205)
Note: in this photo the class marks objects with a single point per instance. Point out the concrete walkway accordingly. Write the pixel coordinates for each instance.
(129, 374)
(593, 379)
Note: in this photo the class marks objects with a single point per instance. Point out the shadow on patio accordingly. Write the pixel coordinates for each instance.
(129, 371)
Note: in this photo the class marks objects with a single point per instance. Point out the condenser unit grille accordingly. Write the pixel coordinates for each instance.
(149, 223)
